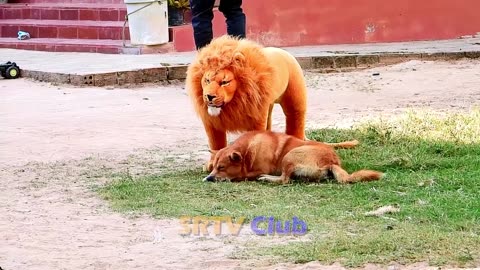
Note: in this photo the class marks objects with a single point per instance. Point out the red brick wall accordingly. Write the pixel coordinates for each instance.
(310, 22)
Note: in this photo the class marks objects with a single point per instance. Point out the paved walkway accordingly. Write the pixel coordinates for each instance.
(88, 64)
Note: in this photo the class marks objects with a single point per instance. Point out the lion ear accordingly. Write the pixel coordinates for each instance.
(239, 58)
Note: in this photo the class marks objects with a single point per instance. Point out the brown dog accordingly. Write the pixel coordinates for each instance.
(259, 154)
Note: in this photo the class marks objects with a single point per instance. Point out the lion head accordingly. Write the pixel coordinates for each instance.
(228, 78)
(218, 89)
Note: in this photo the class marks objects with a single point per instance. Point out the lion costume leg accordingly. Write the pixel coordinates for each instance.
(269, 119)
(294, 104)
(295, 123)
(216, 140)
(294, 109)
(266, 120)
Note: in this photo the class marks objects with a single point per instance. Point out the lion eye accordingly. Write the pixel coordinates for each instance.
(224, 83)
(207, 81)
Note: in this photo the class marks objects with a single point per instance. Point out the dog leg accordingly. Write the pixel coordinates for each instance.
(311, 173)
(282, 179)
(269, 178)
(287, 172)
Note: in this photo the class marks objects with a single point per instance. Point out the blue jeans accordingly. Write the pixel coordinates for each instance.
(202, 16)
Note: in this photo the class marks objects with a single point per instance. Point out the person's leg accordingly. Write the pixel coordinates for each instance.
(202, 16)
(232, 9)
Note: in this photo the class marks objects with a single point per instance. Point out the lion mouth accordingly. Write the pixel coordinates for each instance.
(214, 110)
(215, 105)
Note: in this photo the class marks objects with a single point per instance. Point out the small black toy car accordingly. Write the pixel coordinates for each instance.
(10, 70)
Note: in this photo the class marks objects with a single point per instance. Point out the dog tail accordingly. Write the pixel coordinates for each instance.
(344, 145)
(359, 176)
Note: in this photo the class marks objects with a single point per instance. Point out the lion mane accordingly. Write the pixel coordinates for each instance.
(262, 77)
(253, 74)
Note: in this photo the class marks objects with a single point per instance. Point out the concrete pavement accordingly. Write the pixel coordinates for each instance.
(95, 69)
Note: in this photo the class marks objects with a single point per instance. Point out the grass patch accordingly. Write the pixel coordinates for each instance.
(433, 176)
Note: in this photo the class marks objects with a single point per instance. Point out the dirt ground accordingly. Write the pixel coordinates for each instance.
(58, 142)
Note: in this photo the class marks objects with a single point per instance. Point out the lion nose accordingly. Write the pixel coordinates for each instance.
(210, 97)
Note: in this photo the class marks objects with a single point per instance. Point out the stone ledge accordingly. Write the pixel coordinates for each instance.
(150, 75)
(326, 64)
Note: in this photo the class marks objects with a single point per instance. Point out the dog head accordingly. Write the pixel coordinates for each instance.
(228, 165)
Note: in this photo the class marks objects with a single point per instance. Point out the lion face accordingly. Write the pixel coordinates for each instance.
(218, 89)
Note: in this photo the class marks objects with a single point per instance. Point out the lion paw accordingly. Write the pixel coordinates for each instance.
(208, 168)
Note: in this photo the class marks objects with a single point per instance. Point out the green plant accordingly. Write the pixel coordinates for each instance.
(180, 4)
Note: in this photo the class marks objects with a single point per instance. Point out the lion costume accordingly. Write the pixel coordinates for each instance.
(234, 84)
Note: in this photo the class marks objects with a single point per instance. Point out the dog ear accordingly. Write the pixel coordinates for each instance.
(239, 58)
(236, 156)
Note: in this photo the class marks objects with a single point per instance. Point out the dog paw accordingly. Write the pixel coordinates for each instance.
(262, 178)
(267, 178)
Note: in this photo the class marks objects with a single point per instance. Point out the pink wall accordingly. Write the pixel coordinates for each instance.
(313, 22)
(310, 22)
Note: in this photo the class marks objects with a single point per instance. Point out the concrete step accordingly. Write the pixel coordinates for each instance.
(64, 45)
(107, 46)
(120, 69)
(64, 11)
(72, 39)
(64, 29)
(50, 22)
